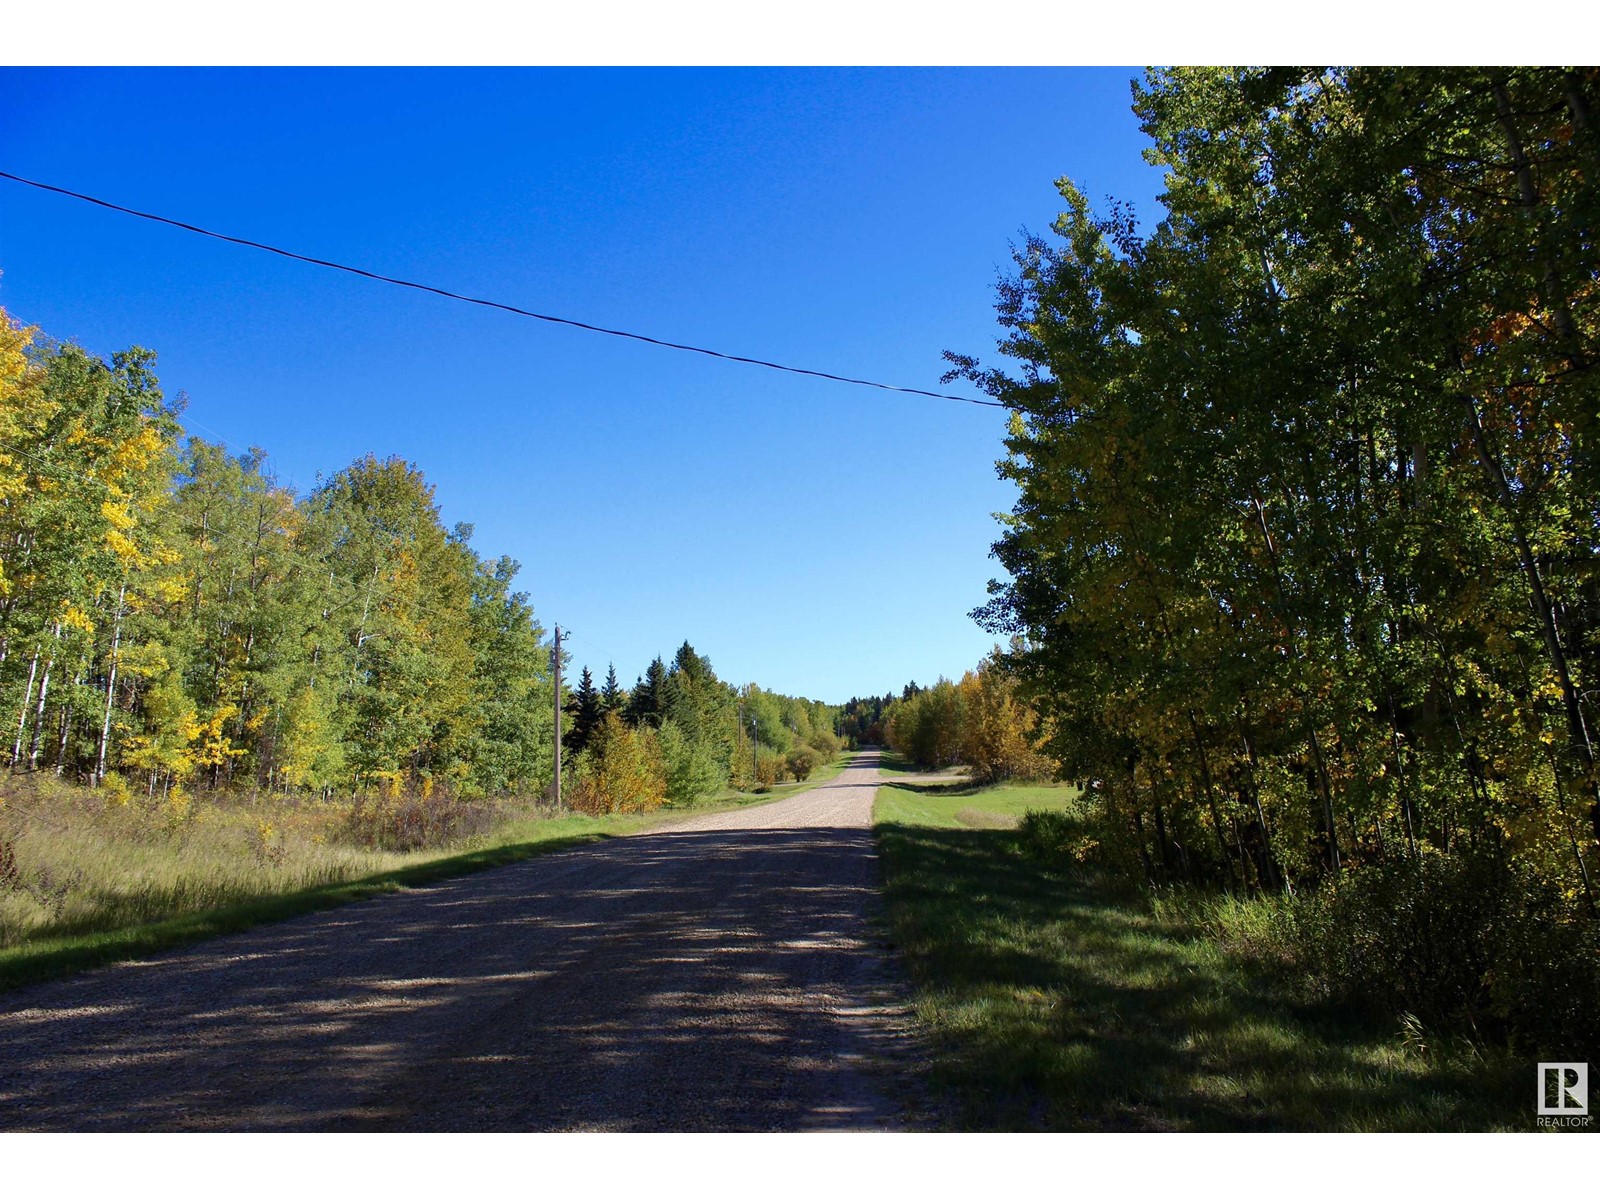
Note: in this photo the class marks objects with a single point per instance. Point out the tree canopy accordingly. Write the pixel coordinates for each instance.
(1304, 559)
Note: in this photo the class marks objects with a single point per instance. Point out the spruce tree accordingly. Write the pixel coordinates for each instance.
(644, 706)
(611, 694)
(586, 712)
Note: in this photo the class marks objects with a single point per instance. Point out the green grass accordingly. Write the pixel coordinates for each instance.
(108, 884)
(890, 763)
(1055, 1003)
(940, 805)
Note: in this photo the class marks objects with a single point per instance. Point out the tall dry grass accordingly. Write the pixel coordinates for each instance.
(75, 860)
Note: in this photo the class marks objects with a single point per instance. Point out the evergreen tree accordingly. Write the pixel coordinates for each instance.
(690, 664)
(645, 704)
(586, 711)
(612, 696)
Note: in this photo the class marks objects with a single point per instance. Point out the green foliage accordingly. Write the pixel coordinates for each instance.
(1460, 943)
(926, 727)
(1301, 571)
(801, 761)
(1301, 563)
(612, 697)
(182, 616)
(178, 618)
(621, 771)
(690, 764)
(982, 723)
(586, 710)
(1049, 835)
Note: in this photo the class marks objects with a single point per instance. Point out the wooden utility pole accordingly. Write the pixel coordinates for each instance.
(555, 669)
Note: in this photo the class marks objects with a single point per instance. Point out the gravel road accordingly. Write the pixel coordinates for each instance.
(720, 974)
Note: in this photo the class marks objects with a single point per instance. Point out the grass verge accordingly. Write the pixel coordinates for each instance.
(1055, 1003)
(51, 958)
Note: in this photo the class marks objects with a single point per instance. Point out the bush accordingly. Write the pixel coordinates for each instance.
(621, 771)
(416, 822)
(10, 875)
(116, 790)
(1047, 835)
(826, 744)
(1464, 944)
(770, 767)
(802, 761)
(1057, 837)
(690, 767)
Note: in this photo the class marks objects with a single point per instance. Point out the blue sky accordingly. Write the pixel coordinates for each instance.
(820, 539)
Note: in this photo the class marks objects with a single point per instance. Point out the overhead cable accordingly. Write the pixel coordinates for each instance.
(510, 308)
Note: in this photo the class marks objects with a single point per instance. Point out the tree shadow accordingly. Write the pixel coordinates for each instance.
(1059, 1005)
(727, 980)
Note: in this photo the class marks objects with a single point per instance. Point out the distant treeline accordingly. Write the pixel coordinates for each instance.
(681, 733)
(981, 722)
(171, 614)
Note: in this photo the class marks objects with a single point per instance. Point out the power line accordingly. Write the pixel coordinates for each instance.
(510, 308)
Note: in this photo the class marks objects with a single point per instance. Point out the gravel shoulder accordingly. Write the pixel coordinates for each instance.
(723, 973)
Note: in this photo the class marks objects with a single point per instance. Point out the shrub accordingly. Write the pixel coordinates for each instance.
(769, 767)
(416, 822)
(802, 761)
(826, 744)
(10, 875)
(690, 767)
(1057, 837)
(621, 771)
(1468, 945)
(1047, 835)
(116, 790)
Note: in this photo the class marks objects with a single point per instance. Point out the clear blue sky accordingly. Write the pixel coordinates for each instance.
(817, 538)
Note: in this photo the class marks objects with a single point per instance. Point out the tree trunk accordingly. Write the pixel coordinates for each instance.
(1323, 783)
(111, 688)
(1273, 872)
(1400, 775)
(38, 712)
(22, 714)
(1577, 726)
(66, 723)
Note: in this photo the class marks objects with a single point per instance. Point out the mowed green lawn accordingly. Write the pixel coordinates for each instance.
(1054, 1003)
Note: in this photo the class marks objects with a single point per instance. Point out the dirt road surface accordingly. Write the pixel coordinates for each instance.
(721, 974)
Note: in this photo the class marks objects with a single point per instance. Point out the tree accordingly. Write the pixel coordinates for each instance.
(586, 710)
(513, 689)
(1000, 733)
(621, 771)
(1352, 370)
(691, 767)
(645, 704)
(801, 762)
(612, 697)
(84, 478)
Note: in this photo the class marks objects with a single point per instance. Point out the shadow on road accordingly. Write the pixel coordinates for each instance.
(678, 980)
